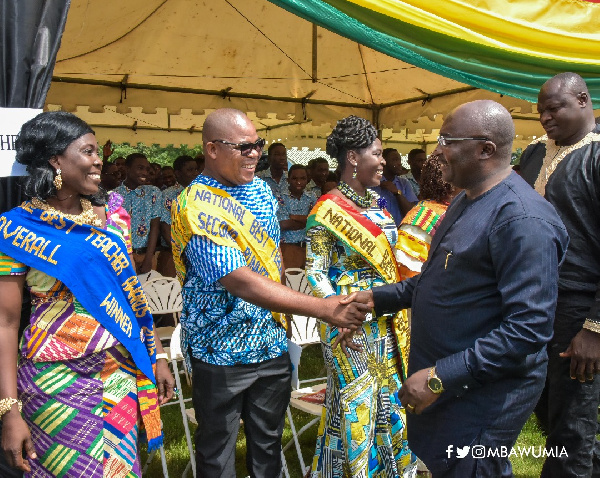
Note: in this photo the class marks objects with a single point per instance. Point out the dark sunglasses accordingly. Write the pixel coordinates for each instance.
(244, 148)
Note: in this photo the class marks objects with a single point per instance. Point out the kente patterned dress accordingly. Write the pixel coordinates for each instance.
(414, 236)
(362, 431)
(76, 381)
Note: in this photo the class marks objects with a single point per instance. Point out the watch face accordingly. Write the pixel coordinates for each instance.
(435, 385)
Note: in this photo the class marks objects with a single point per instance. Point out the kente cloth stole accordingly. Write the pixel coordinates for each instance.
(426, 218)
(93, 263)
(213, 213)
(367, 239)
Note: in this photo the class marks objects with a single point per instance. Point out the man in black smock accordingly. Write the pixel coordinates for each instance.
(483, 305)
(564, 165)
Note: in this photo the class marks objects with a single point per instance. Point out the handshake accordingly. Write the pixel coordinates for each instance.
(347, 313)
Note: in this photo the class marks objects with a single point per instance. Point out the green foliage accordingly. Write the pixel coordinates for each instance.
(515, 157)
(155, 153)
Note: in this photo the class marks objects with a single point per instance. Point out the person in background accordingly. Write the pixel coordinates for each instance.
(349, 247)
(185, 170)
(294, 206)
(85, 384)
(226, 251)
(318, 172)
(416, 158)
(168, 177)
(482, 306)
(397, 191)
(109, 178)
(155, 178)
(276, 175)
(564, 166)
(331, 183)
(120, 163)
(143, 203)
(419, 225)
(200, 163)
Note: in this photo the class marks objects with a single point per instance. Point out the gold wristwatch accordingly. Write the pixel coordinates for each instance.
(433, 382)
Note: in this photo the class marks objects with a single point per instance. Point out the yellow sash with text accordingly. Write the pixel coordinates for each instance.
(213, 213)
(367, 239)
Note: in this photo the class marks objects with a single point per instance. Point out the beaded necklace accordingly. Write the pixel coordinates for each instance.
(87, 216)
(361, 201)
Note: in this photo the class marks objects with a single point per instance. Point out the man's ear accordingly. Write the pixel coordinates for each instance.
(583, 99)
(210, 150)
(488, 149)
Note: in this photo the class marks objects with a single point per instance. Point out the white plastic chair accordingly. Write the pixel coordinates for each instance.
(146, 276)
(187, 415)
(305, 331)
(164, 297)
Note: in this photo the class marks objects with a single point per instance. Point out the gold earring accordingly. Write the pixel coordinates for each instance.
(58, 180)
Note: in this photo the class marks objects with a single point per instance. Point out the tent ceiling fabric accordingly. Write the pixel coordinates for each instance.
(149, 70)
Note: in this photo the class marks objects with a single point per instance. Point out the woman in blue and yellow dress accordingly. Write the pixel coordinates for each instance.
(350, 240)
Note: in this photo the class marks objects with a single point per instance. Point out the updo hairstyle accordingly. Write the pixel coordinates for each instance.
(433, 187)
(48, 134)
(350, 134)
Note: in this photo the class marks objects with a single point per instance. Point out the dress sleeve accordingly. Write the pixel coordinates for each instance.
(319, 249)
(118, 219)
(11, 267)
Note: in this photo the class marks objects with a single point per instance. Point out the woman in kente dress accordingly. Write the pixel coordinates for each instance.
(420, 223)
(87, 373)
(349, 247)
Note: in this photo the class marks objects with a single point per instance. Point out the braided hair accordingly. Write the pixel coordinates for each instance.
(47, 135)
(433, 187)
(351, 133)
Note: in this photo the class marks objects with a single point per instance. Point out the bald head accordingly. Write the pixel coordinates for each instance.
(567, 82)
(486, 118)
(220, 123)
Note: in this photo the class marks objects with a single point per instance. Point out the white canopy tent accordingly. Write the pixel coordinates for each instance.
(150, 70)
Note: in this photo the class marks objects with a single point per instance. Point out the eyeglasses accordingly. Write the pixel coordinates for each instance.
(244, 148)
(443, 140)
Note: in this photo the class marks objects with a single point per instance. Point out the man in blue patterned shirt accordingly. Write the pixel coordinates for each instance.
(143, 203)
(238, 352)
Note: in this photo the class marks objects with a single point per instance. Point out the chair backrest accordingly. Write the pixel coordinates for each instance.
(305, 330)
(175, 345)
(164, 295)
(296, 279)
(149, 276)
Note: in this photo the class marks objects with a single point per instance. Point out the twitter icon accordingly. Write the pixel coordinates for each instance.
(462, 452)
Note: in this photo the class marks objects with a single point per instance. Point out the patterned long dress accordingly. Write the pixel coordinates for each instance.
(362, 431)
(76, 381)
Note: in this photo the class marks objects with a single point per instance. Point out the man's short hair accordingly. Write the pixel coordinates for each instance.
(414, 152)
(312, 164)
(387, 151)
(180, 161)
(294, 167)
(272, 146)
(132, 157)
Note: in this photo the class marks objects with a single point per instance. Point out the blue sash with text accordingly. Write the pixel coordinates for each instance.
(93, 263)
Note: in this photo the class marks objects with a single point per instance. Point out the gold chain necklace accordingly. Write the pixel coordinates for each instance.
(87, 216)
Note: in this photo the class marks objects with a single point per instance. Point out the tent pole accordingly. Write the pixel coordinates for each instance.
(314, 53)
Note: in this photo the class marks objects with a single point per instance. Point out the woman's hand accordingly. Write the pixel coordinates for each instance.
(165, 383)
(16, 440)
(345, 339)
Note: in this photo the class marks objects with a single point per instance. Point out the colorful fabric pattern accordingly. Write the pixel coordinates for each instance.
(499, 45)
(78, 385)
(291, 205)
(362, 431)
(143, 204)
(415, 234)
(220, 328)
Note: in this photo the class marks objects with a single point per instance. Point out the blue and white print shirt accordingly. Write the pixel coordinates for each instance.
(218, 327)
(143, 204)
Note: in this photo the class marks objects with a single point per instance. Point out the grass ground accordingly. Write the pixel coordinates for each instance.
(312, 366)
